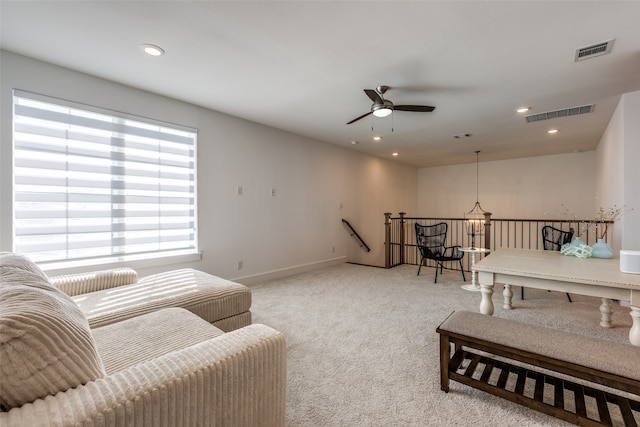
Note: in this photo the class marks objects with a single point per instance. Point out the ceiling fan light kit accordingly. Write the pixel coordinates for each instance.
(381, 110)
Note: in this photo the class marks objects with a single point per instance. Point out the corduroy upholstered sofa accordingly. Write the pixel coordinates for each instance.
(109, 296)
(166, 367)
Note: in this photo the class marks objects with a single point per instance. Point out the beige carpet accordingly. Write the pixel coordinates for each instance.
(362, 347)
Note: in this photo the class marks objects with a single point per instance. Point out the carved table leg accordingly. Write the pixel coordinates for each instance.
(486, 304)
(507, 293)
(486, 291)
(634, 332)
(605, 310)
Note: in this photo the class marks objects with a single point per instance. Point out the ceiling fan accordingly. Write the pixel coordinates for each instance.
(383, 107)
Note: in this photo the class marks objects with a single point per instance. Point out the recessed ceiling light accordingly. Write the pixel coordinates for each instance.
(153, 50)
(377, 138)
(523, 110)
(552, 131)
(394, 154)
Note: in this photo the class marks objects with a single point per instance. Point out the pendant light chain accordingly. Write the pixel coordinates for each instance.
(477, 177)
(477, 209)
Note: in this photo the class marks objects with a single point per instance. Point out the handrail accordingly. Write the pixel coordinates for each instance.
(357, 236)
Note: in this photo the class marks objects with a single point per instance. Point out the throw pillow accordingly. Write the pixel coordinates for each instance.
(46, 345)
(20, 267)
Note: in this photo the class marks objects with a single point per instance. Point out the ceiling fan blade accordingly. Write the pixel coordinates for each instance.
(358, 118)
(418, 108)
(375, 97)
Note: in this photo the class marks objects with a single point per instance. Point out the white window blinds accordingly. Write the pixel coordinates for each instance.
(94, 186)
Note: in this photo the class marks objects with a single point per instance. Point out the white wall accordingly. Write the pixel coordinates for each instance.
(296, 230)
(536, 187)
(631, 221)
(618, 173)
(528, 188)
(610, 170)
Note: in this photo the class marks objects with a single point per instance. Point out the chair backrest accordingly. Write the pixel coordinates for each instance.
(431, 239)
(553, 238)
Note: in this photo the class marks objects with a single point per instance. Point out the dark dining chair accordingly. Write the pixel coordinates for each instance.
(552, 240)
(431, 241)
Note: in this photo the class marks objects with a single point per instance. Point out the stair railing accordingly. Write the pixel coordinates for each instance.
(400, 245)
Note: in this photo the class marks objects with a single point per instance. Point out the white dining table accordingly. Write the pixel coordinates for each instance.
(551, 270)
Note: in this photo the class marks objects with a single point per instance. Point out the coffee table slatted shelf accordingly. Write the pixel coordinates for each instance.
(544, 392)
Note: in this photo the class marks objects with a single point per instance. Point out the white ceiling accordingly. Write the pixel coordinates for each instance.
(302, 66)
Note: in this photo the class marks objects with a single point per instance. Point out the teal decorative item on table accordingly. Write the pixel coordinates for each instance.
(601, 222)
(599, 225)
(577, 242)
(576, 248)
(601, 250)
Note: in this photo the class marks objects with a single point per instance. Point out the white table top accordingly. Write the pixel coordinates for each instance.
(552, 265)
(478, 250)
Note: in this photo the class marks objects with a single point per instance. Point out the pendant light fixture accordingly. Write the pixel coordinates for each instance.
(476, 218)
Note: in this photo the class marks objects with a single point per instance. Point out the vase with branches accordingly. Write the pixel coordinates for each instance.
(566, 214)
(604, 217)
(600, 223)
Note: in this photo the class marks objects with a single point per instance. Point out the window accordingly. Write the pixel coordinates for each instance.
(93, 186)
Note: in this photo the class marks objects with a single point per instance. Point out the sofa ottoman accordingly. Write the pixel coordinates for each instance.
(110, 296)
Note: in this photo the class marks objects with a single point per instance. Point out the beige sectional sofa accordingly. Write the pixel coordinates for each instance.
(166, 366)
(109, 296)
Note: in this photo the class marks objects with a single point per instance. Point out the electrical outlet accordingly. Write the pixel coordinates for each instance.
(333, 249)
(239, 265)
(239, 190)
(273, 192)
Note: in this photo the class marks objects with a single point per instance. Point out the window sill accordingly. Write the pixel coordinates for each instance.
(132, 261)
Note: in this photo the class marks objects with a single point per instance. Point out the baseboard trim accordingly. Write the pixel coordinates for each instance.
(289, 271)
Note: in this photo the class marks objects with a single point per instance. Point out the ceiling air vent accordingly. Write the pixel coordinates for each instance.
(462, 135)
(594, 50)
(573, 111)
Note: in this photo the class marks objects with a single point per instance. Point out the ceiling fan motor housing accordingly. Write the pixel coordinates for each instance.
(385, 104)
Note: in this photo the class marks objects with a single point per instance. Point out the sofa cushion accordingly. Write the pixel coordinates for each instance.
(136, 340)
(45, 341)
(210, 297)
